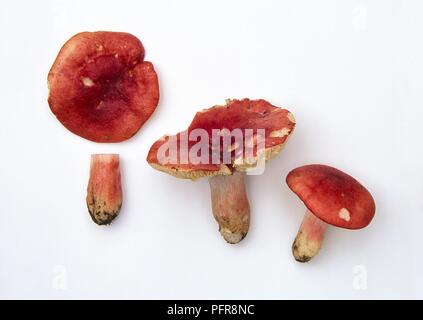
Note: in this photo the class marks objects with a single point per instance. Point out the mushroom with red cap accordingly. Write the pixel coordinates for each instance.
(264, 128)
(332, 197)
(100, 87)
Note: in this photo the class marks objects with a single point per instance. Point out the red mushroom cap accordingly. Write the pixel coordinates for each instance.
(243, 114)
(100, 87)
(333, 196)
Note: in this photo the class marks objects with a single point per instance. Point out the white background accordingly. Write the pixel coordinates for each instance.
(351, 73)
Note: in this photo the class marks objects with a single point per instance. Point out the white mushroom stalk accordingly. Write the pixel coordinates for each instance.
(230, 206)
(309, 238)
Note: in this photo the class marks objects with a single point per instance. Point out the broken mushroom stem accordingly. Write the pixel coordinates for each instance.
(104, 192)
(230, 205)
(309, 238)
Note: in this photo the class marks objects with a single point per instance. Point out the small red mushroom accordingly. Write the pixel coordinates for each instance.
(332, 197)
(104, 192)
(100, 87)
(230, 204)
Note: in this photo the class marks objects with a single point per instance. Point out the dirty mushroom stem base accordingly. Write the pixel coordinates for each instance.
(230, 205)
(104, 192)
(309, 238)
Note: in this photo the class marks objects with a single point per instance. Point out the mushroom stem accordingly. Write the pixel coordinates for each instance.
(104, 192)
(309, 238)
(230, 206)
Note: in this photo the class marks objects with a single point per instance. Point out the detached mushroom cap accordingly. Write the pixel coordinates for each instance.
(333, 196)
(236, 114)
(100, 87)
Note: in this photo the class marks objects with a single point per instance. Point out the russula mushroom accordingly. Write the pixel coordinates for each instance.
(100, 87)
(104, 192)
(332, 197)
(256, 126)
